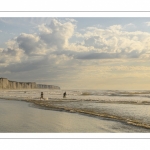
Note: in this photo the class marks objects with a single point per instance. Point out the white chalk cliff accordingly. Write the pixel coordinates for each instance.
(7, 84)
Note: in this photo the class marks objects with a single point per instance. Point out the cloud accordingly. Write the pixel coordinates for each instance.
(147, 23)
(10, 56)
(129, 27)
(114, 42)
(34, 47)
(31, 44)
(57, 52)
(57, 33)
(71, 20)
(53, 39)
(94, 43)
(115, 27)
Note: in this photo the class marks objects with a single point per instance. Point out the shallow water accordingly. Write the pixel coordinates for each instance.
(20, 116)
(130, 107)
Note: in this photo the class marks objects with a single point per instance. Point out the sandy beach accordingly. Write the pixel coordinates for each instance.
(26, 117)
(81, 111)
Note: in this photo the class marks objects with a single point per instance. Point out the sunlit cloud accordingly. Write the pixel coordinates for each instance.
(147, 23)
(58, 51)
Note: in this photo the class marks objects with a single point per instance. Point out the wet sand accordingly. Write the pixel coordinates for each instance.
(26, 117)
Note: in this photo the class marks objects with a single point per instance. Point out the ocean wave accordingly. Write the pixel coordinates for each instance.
(102, 101)
(116, 101)
(116, 93)
(85, 111)
(86, 93)
(86, 107)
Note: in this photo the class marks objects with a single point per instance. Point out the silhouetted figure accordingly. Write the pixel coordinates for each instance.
(41, 95)
(64, 95)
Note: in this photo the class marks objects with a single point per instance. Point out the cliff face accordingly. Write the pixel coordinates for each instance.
(3, 83)
(6, 84)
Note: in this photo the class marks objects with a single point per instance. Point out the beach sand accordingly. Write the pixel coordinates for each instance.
(26, 117)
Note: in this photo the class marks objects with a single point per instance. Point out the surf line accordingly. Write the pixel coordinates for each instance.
(46, 105)
(85, 111)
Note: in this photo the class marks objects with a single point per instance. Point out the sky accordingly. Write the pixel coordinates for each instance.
(105, 53)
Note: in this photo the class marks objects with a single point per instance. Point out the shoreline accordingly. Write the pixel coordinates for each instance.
(51, 105)
(93, 114)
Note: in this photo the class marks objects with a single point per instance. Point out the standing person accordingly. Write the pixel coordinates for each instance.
(41, 95)
(64, 95)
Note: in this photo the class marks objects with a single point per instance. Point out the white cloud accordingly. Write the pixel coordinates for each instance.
(31, 44)
(95, 42)
(53, 52)
(115, 41)
(57, 33)
(115, 27)
(44, 29)
(71, 20)
(10, 56)
(147, 23)
(129, 26)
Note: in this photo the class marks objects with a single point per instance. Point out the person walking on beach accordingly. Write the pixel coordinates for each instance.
(41, 96)
(64, 95)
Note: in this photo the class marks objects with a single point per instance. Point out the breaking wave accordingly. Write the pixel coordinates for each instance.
(130, 107)
(91, 112)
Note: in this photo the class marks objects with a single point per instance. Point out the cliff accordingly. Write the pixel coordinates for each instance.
(6, 84)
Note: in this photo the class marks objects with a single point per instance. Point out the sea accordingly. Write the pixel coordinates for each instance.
(131, 108)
